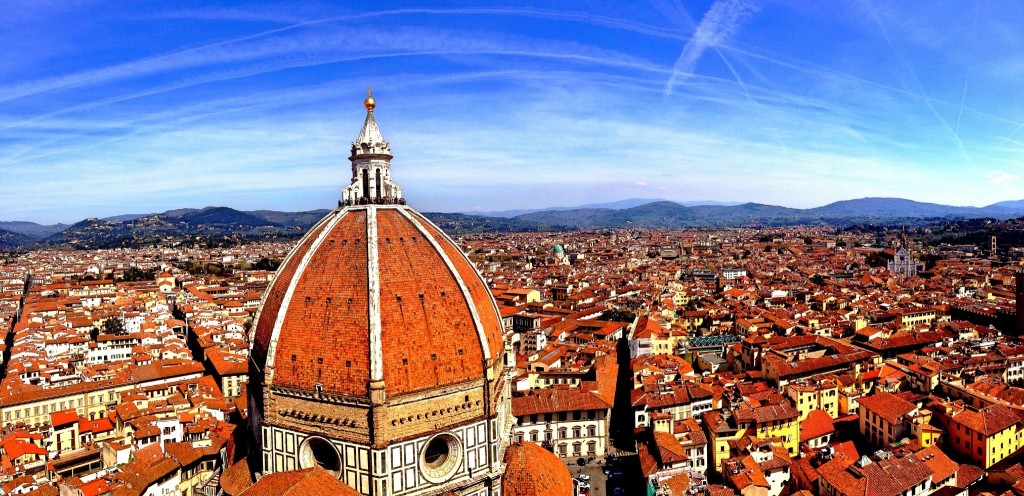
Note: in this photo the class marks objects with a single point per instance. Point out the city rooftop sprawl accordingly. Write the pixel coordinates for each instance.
(726, 362)
(660, 248)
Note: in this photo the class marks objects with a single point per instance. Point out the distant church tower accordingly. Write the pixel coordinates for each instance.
(902, 262)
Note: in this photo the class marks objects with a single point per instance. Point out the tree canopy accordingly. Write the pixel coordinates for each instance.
(114, 325)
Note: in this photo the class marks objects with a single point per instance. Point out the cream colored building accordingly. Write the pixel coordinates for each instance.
(569, 421)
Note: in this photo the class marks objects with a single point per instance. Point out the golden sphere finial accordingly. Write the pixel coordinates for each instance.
(369, 103)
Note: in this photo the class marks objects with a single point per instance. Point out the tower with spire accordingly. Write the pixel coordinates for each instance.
(371, 166)
(903, 262)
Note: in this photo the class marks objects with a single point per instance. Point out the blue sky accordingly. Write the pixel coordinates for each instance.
(134, 107)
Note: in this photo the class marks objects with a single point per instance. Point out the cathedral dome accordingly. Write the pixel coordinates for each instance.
(378, 353)
(376, 293)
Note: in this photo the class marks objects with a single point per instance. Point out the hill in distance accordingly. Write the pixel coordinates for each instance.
(223, 225)
(1011, 205)
(31, 229)
(210, 225)
(125, 217)
(897, 207)
(668, 215)
(10, 240)
(291, 219)
(614, 205)
(224, 216)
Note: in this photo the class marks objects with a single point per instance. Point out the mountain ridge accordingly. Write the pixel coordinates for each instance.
(225, 225)
(614, 205)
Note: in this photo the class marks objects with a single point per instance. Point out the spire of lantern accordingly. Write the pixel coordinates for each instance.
(371, 165)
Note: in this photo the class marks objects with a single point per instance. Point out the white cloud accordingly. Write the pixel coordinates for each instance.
(1000, 177)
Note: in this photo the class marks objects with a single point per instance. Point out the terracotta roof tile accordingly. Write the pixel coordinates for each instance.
(553, 400)
(886, 405)
(63, 417)
(428, 331)
(300, 483)
(818, 423)
(989, 420)
(275, 296)
(313, 331)
(968, 474)
(236, 478)
(534, 471)
(474, 283)
(425, 319)
(937, 461)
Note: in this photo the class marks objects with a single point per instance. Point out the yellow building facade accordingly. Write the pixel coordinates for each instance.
(985, 436)
(768, 421)
(814, 395)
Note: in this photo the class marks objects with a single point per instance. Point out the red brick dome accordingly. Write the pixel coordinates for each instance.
(534, 471)
(376, 293)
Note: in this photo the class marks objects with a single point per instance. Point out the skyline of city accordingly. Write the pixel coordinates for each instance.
(868, 347)
(507, 107)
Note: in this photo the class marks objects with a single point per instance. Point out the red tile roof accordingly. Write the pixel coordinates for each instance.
(818, 423)
(889, 477)
(17, 448)
(145, 471)
(300, 483)
(102, 424)
(236, 478)
(553, 400)
(670, 450)
(429, 334)
(937, 461)
(968, 474)
(534, 471)
(63, 417)
(767, 413)
(989, 420)
(888, 406)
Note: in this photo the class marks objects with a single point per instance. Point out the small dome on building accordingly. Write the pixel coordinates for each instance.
(534, 471)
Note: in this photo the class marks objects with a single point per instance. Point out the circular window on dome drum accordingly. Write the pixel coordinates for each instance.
(319, 451)
(440, 458)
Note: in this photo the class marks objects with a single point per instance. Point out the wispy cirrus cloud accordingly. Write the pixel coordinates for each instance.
(257, 55)
(243, 48)
(486, 99)
(718, 24)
